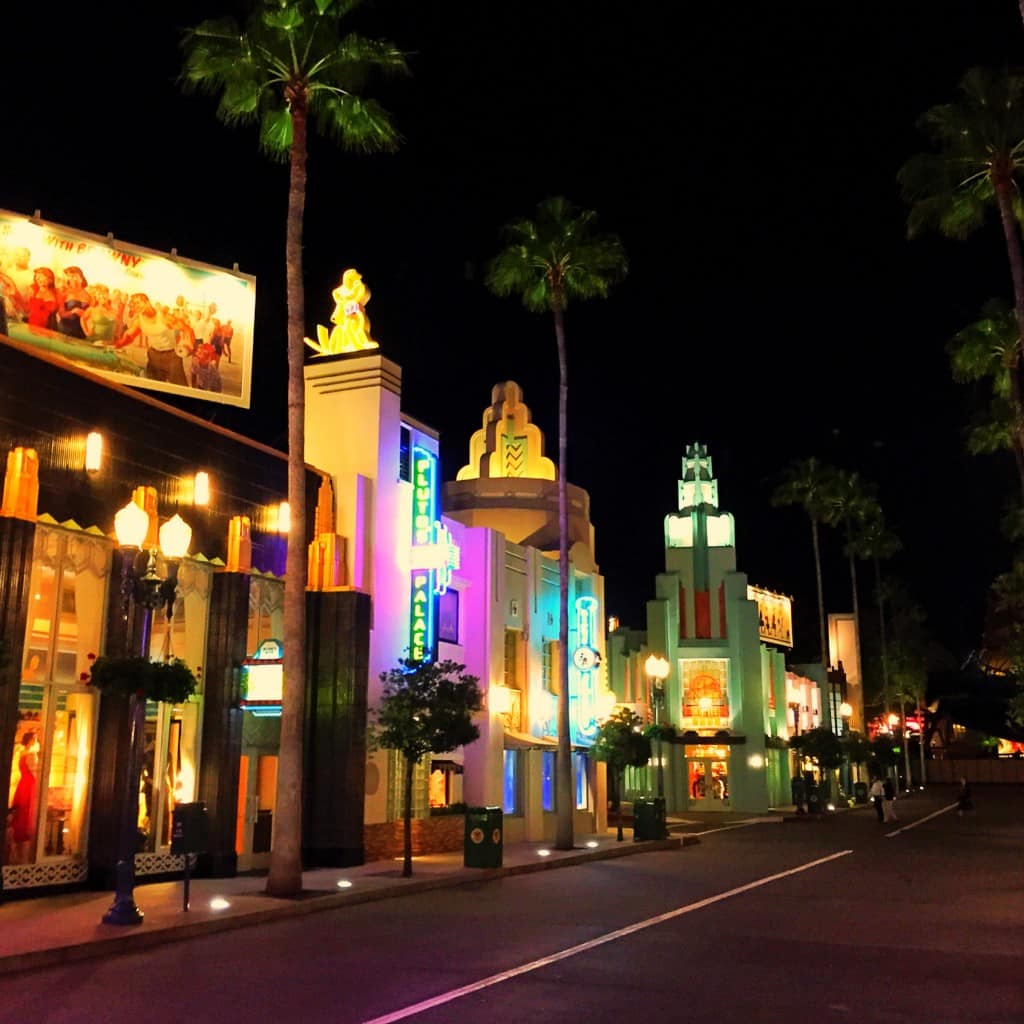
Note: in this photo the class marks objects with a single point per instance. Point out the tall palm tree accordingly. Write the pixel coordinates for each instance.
(851, 505)
(546, 262)
(809, 484)
(873, 539)
(978, 166)
(290, 64)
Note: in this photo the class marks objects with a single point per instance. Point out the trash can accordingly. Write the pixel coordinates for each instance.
(484, 840)
(860, 792)
(649, 819)
(814, 798)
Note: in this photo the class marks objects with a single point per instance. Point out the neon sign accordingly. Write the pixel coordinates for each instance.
(587, 660)
(434, 557)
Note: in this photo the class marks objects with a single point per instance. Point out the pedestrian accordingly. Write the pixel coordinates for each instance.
(964, 801)
(888, 800)
(798, 791)
(876, 793)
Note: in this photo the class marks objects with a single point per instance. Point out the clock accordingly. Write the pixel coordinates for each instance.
(586, 658)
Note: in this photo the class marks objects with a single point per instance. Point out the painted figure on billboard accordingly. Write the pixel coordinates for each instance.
(134, 315)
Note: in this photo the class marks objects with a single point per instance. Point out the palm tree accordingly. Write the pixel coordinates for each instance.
(989, 349)
(289, 64)
(980, 143)
(546, 262)
(851, 505)
(872, 539)
(809, 484)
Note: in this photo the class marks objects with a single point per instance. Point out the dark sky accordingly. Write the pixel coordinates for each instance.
(745, 153)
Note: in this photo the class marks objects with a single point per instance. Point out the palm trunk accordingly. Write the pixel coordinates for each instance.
(407, 820)
(285, 877)
(920, 742)
(905, 744)
(565, 803)
(821, 595)
(856, 613)
(1011, 233)
(882, 639)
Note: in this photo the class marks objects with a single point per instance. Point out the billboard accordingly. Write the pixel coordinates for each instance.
(132, 315)
(774, 616)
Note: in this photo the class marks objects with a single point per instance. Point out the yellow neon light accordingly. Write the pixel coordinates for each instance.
(351, 331)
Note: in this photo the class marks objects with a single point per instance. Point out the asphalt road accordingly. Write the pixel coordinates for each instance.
(833, 920)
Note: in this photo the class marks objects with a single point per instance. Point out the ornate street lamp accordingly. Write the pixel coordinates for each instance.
(141, 583)
(657, 669)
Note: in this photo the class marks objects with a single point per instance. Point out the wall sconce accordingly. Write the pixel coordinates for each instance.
(284, 518)
(201, 489)
(94, 452)
(500, 700)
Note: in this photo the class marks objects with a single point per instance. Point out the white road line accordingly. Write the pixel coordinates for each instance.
(728, 828)
(920, 821)
(583, 947)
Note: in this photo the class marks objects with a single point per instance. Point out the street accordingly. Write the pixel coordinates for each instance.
(841, 919)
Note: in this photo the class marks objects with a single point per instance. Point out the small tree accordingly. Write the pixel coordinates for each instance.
(621, 743)
(822, 746)
(426, 707)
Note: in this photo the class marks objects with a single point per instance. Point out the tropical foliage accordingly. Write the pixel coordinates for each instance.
(621, 744)
(558, 258)
(426, 707)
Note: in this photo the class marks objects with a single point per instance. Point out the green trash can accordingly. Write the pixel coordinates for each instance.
(484, 842)
(860, 792)
(649, 819)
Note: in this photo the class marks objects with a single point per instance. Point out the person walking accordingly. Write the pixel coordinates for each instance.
(876, 792)
(888, 800)
(964, 800)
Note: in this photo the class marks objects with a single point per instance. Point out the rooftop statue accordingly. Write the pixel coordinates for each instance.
(351, 332)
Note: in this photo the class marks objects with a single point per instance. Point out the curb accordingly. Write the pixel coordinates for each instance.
(143, 940)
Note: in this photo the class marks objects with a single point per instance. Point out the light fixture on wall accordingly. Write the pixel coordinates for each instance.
(142, 584)
(201, 489)
(93, 452)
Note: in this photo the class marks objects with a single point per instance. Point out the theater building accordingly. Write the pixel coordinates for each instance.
(726, 691)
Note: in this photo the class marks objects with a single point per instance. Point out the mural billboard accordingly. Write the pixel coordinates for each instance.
(132, 315)
(774, 616)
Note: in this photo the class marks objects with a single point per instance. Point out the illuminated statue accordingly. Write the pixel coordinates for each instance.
(351, 332)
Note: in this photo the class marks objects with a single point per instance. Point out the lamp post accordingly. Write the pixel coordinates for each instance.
(657, 669)
(141, 583)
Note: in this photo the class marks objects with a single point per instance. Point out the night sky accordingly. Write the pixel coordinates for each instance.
(745, 153)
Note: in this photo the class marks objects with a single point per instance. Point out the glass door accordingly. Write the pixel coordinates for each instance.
(707, 783)
(257, 792)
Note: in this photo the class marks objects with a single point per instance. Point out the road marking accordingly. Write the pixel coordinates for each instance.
(920, 821)
(738, 824)
(583, 947)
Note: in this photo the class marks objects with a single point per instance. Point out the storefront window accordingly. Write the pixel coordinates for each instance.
(54, 739)
(580, 764)
(547, 780)
(170, 764)
(510, 787)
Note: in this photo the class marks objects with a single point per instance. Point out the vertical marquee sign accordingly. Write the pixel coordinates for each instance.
(434, 557)
(586, 659)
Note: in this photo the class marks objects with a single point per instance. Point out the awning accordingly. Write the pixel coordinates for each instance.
(527, 741)
(444, 765)
(721, 738)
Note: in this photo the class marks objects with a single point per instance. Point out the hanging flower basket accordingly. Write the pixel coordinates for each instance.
(170, 681)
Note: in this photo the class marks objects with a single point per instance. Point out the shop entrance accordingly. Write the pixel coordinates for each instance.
(257, 794)
(707, 778)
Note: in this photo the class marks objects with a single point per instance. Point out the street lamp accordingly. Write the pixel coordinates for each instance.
(657, 669)
(846, 713)
(141, 583)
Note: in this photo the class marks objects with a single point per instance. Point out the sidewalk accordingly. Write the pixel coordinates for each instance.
(39, 932)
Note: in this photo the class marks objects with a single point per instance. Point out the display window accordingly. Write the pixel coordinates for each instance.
(170, 764)
(51, 764)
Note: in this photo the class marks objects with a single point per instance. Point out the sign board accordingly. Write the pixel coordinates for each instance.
(135, 316)
(774, 616)
(190, 829)
(261, 682)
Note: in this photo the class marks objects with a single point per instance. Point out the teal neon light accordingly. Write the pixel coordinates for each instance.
(586, 660)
